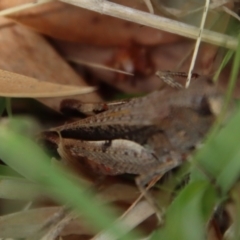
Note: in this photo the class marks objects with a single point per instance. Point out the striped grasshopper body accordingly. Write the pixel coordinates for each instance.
(146, 136)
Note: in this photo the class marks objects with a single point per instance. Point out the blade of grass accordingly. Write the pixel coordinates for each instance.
(154, 21)
(224, 62)
(234, 74)
(6, 171)
(187, 215)
(220, 154)
(24, 156)
(219, 157)
(231, 85)
(216, 166)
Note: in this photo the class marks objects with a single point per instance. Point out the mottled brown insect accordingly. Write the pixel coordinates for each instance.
(146, 136)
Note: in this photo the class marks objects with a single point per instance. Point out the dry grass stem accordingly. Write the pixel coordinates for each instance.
(230, 12)
(195, 52)
(154, 21)
(23, 7)
(100, 66)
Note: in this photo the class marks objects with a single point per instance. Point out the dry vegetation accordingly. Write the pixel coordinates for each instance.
(53, 50)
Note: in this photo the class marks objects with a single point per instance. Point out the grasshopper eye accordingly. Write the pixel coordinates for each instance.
(210, 105)
(204, 106)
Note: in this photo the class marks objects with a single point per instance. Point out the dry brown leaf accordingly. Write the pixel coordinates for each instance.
(29, 54)
(142, 61)
(16, 85)
(71, 23)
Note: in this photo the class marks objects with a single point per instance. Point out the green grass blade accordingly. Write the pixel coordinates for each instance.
(187, 215)
(224, 62)
(220, 156)
(25, 157)
(8, 172)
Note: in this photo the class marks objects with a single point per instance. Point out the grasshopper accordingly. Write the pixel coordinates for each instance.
(146, 136)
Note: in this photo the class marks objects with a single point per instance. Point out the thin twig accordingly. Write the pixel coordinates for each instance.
(99, 66)
(204, 16)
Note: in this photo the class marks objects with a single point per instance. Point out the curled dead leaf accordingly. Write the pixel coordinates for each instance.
(16, 85)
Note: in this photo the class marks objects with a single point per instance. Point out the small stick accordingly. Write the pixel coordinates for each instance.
(197, 43)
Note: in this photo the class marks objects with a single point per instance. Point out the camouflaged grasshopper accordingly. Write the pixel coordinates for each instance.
(146, 136)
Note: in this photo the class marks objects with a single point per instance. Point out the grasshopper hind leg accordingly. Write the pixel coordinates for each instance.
(148, 179)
